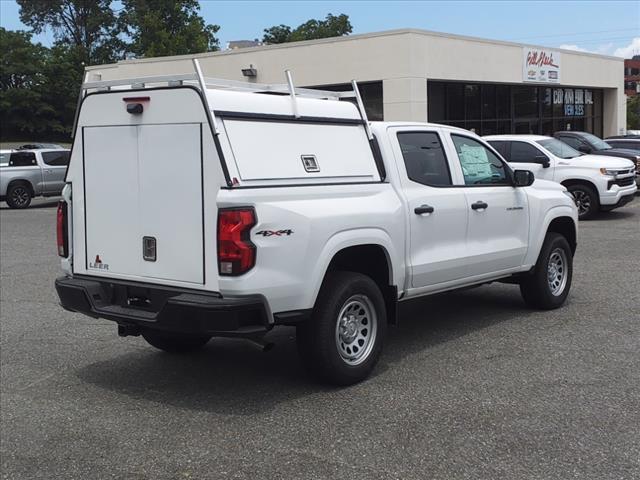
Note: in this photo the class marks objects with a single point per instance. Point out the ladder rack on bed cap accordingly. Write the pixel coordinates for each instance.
(203, 83)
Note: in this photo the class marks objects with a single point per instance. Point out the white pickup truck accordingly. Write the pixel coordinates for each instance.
(598, 182)
(207, 209)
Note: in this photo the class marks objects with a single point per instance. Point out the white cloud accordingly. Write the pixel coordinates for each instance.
(608, 49)
(575, 48)
(630, 50)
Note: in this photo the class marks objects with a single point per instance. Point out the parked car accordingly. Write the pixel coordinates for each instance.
(631, 142)
(598, 183)
(291, 210)
(25, 174)
(588, 143)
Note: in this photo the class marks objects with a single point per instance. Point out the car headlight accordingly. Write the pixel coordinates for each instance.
(610, 172)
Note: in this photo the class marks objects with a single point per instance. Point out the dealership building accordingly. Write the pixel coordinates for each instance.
(489, 86)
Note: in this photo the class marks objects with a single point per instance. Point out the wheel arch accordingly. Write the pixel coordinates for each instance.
(21, 181)
(566, 227)
(374, 257)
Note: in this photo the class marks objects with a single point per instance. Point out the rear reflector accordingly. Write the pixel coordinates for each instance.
(236, 252)
(62, 230)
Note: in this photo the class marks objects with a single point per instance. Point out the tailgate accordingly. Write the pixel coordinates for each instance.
(144, 201)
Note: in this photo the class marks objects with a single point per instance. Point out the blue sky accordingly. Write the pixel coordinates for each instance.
(608, 27)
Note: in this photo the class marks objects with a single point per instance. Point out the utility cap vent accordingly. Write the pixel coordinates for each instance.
(310, 163)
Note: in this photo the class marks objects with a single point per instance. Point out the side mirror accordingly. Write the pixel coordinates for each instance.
(542, 160)
(584, 149)
(523, 178)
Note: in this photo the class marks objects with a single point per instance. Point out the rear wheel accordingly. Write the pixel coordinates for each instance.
(175, 342)
(586, 199)
(18, 196)
(548, 285)
(342, 341)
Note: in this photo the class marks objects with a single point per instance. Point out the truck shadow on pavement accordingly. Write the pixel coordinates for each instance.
(235, 377)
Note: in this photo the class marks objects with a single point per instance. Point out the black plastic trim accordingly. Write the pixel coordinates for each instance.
(164, 308)
(292, 317)
(284, 185)
(285, 118)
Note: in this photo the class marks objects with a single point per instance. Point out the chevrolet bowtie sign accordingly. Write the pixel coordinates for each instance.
(540, 65)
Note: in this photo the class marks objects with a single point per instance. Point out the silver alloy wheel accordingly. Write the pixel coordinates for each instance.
(557, 271)
(583, 201)
(20, 196)
(356, 329)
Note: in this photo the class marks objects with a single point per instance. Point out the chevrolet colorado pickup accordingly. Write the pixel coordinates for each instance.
(213, 208)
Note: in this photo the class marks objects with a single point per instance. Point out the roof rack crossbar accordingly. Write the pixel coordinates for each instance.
(198, 80)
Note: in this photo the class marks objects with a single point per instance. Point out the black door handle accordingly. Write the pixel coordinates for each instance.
(479, 205)
(423, 209)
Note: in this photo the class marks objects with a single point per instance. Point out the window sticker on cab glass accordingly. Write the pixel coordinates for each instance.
(474, 161)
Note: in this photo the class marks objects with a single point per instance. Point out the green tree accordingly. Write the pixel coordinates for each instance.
(23, 110)
(91, 26)
(166, 27)
(331, 26)
(633, 113)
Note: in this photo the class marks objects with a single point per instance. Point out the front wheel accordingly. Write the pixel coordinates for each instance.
(342, 341)
(587, 200)
(547, 287)
(175, 342)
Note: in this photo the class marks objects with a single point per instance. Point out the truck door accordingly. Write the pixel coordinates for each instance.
(54, 168)
(437, 210)
(498, 228)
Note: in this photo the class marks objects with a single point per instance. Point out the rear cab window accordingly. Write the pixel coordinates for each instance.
(22, 159)
(424, 158)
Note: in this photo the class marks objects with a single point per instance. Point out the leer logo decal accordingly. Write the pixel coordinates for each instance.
(97, 263)
(277, 233)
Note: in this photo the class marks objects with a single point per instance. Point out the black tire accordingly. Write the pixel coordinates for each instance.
(321, 343)
(587, 200)
(537, 288)
(175, 342)
(18, 195)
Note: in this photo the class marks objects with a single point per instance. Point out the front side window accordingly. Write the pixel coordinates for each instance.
(424, 158)
(480, 165)
(522, 152)
(60, 158)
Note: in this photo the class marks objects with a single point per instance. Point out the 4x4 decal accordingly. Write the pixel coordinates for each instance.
(271, 233)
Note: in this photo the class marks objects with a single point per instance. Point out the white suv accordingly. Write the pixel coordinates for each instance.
(598, 183)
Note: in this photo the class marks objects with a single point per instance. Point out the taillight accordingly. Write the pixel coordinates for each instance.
(236, 253)
(63, 233)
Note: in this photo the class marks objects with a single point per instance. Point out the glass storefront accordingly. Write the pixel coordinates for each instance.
(371, 93)
(491, 109)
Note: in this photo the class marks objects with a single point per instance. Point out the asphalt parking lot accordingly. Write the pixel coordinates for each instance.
(472, 385)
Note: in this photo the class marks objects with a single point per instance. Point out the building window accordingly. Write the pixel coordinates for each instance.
(371, 93)
(491, 109)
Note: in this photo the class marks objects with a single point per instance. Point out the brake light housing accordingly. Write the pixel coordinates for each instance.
(62, 229)
(236, 252)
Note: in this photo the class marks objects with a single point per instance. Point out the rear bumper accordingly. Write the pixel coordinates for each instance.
(148, 306)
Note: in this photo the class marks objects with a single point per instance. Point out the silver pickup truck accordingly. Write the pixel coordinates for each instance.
(25, 174)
